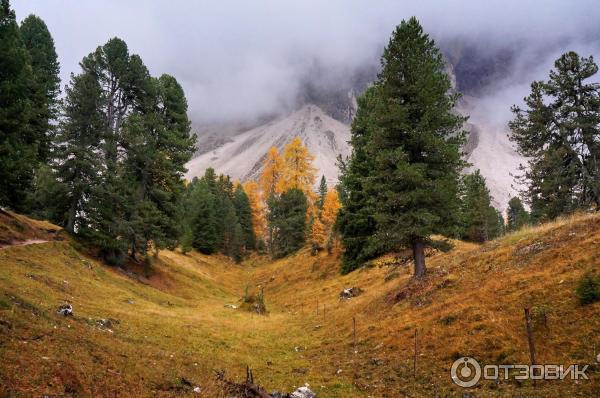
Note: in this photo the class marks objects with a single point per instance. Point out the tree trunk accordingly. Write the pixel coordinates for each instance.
(71, 216)
(418, 248)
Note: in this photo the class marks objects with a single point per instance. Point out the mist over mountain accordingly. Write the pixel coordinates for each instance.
(245, 64)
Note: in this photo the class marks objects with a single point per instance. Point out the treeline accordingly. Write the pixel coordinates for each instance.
(107, 161)
(277, 214)
(218, 217)
(29, 90)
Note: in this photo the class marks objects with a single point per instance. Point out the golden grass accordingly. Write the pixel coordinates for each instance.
(175, 325)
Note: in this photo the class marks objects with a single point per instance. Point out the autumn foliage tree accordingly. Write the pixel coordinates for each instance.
(270, 179)
(258, 209)
(298, 171)
(283, 178)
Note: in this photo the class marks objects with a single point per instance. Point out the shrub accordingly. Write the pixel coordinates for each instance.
(588, 289)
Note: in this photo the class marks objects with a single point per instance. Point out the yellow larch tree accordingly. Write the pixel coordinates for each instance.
(257, 206)
(271, 177)
(331, 207)
(298, 171)
(318, 235)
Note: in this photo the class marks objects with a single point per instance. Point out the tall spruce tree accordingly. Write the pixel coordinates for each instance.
(416, 146)
(516, 214)
(355, 220)
(18, 140)
(480, 220)
(558, 131)
(244, 216)
(78, 147)
(203, 216)
(44, 86)
(287, 220)
(122, 148)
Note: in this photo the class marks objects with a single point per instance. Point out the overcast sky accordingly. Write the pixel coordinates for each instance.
(237, 59)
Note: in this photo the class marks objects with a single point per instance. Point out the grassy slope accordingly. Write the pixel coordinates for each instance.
(174, 324)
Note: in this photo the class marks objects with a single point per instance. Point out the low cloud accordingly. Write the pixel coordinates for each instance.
(243, 59)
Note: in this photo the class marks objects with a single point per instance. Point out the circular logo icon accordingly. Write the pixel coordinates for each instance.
(465, 372)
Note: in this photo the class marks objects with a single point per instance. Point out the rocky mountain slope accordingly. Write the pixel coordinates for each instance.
(242, 157)
(326, 105)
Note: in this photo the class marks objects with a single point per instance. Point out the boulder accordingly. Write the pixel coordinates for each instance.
(65, 310)
(303, 392)
(350, 292)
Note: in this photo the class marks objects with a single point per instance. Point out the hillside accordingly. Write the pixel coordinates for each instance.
(165, 332)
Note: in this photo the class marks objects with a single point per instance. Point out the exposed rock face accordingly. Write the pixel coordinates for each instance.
(242, 158)
(329, 105)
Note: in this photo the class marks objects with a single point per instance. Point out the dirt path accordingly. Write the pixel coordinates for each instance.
(23, 243)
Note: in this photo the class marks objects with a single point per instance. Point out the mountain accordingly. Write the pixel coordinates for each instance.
(242, 155)
(326, 105)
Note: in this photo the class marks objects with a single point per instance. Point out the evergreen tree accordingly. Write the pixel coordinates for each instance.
(78, 147)
(230, 220)
(204, 218)
(517, 216)
(44, 86)
(558, 132)
(287, 219)
(355, 221)
(121, 152)
(244, 216)
(18, 140)
(49, 200)
(322, 193)
(238, 244)
(481, 221)
(416, 146)
(126, 90)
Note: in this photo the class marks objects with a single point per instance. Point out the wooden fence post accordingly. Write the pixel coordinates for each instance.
(354, 332)
(532, 353)
(415, 357)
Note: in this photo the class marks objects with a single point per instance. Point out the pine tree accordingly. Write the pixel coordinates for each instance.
(238, 243)
(78, 149)
(18, 140)
(128, 95)
(558, 132)
(355, 221)
(322, 193)
(44, 86)
(517, 216)
(230, 239)
(244, 216)
(416, 146)
(121, 152)
(287, 220)
(481, 221)
(204, 218)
